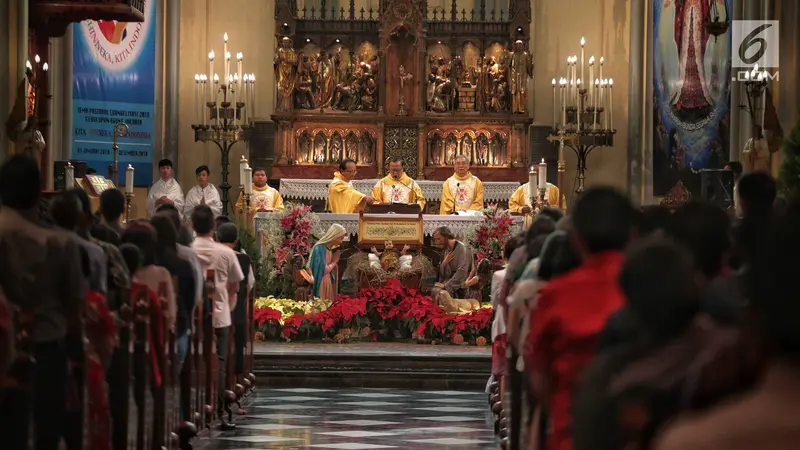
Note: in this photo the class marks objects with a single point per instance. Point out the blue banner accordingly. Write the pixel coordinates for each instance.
(114, 79)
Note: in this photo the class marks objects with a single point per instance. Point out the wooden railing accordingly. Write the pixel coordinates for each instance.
(153, 402)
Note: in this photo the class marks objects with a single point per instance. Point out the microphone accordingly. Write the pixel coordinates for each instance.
(458, 185)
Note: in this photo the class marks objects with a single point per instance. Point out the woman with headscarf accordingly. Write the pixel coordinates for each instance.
(323, 262)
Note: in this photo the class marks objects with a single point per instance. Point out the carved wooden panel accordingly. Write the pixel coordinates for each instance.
(402, 142)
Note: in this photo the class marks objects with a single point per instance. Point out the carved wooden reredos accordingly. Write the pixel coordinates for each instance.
(348, 80)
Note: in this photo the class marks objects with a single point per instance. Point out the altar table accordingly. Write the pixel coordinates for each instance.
(302, 189)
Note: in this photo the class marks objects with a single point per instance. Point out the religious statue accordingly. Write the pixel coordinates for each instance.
(390, 260)
(691, 36)
(351, 148)
(404, 77)
(324, 94)
(303, 279)
(441, 92)
(319, 149)
(324, 262)
(285, 63)
(336, 148)
(521, 71)
(304, 154)
(304, 97)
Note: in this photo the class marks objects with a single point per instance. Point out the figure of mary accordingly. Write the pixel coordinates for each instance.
(324, 260)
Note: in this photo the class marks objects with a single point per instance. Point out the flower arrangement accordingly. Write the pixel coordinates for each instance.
(489, 237)
(286, 233)
(388, 312)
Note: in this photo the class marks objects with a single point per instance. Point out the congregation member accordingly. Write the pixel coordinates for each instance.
(112, 208)
(263, 198)
(227, 276)
(737, 169)
(520, 201)
(203, 193)
(185, 250)
(455, 265)
(166, 190)
(463, 191)
(342, 196)
(398, 187)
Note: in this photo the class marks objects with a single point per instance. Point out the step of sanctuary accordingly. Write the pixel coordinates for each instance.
(375, 365)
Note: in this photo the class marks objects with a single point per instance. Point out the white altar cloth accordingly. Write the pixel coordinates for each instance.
(301, 189)
(457, 224)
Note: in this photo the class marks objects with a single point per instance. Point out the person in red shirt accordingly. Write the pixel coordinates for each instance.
(572, 310)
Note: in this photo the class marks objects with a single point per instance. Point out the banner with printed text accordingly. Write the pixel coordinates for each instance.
(114, 80)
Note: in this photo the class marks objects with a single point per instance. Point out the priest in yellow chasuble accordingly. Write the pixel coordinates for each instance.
(397, 187)
(463, 191)
(520, 201)
(263, 198)
(342, 196)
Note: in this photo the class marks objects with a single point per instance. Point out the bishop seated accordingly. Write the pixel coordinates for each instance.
(263, 198)
(398, 187)
(463, 191)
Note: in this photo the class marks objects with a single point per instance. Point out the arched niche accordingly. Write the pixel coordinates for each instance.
(366, 149)
(336, 153)
(320, 148)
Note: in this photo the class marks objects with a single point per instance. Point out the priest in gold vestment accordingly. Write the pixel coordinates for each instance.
(263, 198)
(397, 187)
(463, 191)
(520, 201)
(342, 196)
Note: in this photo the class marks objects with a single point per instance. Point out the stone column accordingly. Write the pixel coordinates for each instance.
(67, 43)
(421, 151)
(736, 145)
(636, 100)
(646, 193)
(172, 44)
(5, 70)
(379, 158)
(788, 91)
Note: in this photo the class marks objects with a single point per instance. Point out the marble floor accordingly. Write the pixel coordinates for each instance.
(359, 418)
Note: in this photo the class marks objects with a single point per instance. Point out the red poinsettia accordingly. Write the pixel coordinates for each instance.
(492, 234)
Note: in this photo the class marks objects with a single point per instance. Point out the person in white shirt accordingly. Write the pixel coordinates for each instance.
(165, 190)
(227, 275)
(204, 193)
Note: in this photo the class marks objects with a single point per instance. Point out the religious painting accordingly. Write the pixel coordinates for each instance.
(691, 89)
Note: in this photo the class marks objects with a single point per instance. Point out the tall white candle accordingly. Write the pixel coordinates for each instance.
(210, 71)
(597, 94)
(242, 165)
(248, 180)
(569, 71)
(69, 176)
(542, 175)
(611, 103)
(591, 84)
(216, 95)
(197, 95)
(583, 44)
(555, 105)
(129, 179)
(252, 95)
(564, 103)
(228, 68)
(602, 60)
(239, 59)
(225, 55)
(578, 103)
(532, 182)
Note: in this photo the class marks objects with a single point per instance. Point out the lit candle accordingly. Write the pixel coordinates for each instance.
(242, 165)
(45, 67)
(569, 62)
(129, 179)
(197, 93)
(252, 94)
(69, 176)
(564, 103)
(532, 181)
(216, 96)
(225, 53)
(239, 59)
(235, 95)
(37, 60)
(28, 65)
(204, 103)
(555, 105)
(579, 103)
(602, 60)
(248, 180)
(591, 86)
(228, 67)
(542, 175)
(210, 68)
(596, 93)
(611, 103)
(583, 43)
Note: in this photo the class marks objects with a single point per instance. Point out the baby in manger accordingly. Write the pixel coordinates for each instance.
(389, 260)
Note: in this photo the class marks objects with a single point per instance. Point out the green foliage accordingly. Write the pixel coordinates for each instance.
(251, 245)
(789, 176)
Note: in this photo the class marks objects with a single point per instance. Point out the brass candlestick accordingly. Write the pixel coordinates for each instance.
(120, 130)
(128, 200)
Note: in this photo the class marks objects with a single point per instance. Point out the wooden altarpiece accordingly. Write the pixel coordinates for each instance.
(406, 80)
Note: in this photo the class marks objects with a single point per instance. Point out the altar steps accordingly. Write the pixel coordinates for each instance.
(372, 365)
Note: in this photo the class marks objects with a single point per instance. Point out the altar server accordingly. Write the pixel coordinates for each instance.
(520, 200)
(204, 193)
(342, 196)
(263, 198)
(165, 190)
(463, 191)
(397, 187)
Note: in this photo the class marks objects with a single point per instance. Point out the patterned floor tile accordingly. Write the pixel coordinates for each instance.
(452, 418)
(367, 412)
(449, 409)
(270, 427)
(357, 433)
(287, 407)
(363, 422)
(375, 395)
(440, 430)
(279, 416)
(370, 403)
(450, 441)
(259, 439)
(351, 446)
(453, 392)
(303, 390)
(450, 400)
(288, 398)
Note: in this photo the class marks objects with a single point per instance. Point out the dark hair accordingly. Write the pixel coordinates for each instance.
(541, 226)
(171, 212)
(203, 168)
(132, 257)
(65, 210)
(259, 169)
(772, 281)
(657, 279)
(653, 218)
(203, 220)
(222, 219)
(484, 267)
(91, 171)
(164, 163)
(735, 167)
(603, 220)
(397, 159)
(445, 232)
(554, 213)
(112, 204)
(227, 233)
(343, 164)
(143, 236)
(83, 197)
(512, 244)
(168, 207)
(703, 229)
(20, 182)
(757, 192)
(534, 248)
(557, 257)
(166, 232)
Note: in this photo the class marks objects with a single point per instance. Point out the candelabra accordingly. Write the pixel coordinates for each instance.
(582, 116)
(120, 130)
(227, 105)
